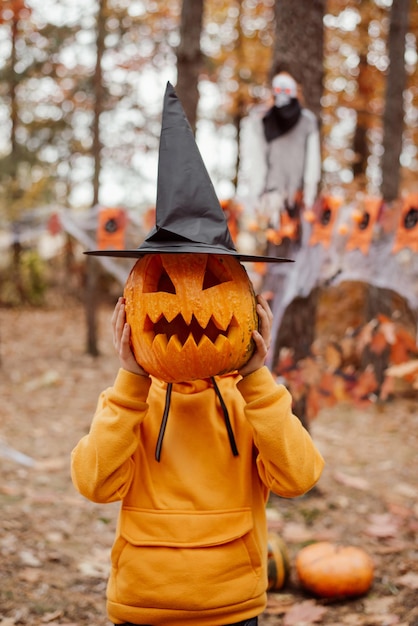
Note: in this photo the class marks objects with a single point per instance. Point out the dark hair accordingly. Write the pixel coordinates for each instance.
(282, 66)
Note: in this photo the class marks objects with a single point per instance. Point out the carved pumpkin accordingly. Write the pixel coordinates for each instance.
(278, 563)
(334, 571)
(191, 315)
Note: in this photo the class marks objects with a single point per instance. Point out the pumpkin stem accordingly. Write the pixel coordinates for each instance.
(227, 420)
(163, 422)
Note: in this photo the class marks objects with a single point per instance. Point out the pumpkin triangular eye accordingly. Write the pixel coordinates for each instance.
(165, 283)
(156, 277)
(215, 273)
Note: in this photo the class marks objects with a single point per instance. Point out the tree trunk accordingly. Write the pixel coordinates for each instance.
(92, 268)
(297, 331)
(98, 97)
(91, 299)
(393, 117)
(299, 50)
(299, 43)
(190, 58)
(365, 86)
(13, 85)
(15, 189)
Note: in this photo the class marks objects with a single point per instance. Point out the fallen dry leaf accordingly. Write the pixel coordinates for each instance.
(333, 356)
(378, 619)
(304, 613)
(378, 605)
(382, 526)
(403, 369)
(293, 532)
(353, 620)
(29, 575)
(279, 603)
(408, 580)
(378, 343)
(51, 617)
(403, 348)
(357, 482)
(366, 384)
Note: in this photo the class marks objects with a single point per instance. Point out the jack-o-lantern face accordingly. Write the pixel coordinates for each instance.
(191, 315)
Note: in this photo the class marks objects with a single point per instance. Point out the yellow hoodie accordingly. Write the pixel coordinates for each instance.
(191, 541)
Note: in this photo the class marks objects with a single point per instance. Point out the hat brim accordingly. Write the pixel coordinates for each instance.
(137, 253)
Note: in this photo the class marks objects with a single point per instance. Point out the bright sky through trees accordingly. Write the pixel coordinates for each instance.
(54, 68)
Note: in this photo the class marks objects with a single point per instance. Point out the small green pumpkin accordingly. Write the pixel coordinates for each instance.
(278, 562)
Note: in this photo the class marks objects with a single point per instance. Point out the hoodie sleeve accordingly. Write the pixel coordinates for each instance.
(288, 461)
(101, 463)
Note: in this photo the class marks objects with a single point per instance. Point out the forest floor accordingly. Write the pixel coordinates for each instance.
(54, 545)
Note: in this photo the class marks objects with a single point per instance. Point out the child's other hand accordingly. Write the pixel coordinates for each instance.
(121, 340)
(261, 338)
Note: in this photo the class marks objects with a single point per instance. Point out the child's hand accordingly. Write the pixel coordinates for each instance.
(121, 340)
(261, 338)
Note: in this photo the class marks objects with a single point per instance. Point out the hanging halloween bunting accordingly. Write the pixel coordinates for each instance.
(323, 221)
(54, 224)
(365, 220)
(233, 211)
(407, 231)
(289, 228)
(111, 229)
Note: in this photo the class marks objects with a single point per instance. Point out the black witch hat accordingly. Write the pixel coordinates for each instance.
(189, 217)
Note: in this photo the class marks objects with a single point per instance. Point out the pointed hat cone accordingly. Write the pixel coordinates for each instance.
(189, 217)
(188, 213)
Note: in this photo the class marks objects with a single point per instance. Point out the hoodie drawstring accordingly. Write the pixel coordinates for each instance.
(163, 422)
(228, 425)
(229, 430)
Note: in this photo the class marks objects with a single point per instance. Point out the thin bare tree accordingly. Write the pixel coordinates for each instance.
(299, 43)
(92, 269)
(190, 58)
(298, 50)
(393, 117)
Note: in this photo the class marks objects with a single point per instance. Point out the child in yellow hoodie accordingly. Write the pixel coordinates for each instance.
(191, 539)
(191, 542)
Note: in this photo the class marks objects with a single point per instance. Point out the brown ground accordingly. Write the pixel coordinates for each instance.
(54, 545)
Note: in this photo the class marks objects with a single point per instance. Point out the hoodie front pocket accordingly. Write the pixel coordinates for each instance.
(143, 527)
(211, 561)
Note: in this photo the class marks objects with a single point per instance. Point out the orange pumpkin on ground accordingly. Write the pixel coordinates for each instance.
(278, 562)
(334, 571)
(191, 315)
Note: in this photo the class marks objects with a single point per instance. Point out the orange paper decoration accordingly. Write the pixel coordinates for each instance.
(54, 224)
(362, 232)
(323, 225)
(111, 229)
(232, 211)
(289, 226)
(407, 232)
(289, 229)
(148, 219)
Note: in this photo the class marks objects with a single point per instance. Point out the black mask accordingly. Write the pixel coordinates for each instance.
(279, 120)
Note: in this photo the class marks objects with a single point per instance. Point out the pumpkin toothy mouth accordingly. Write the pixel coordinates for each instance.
(180, 329)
